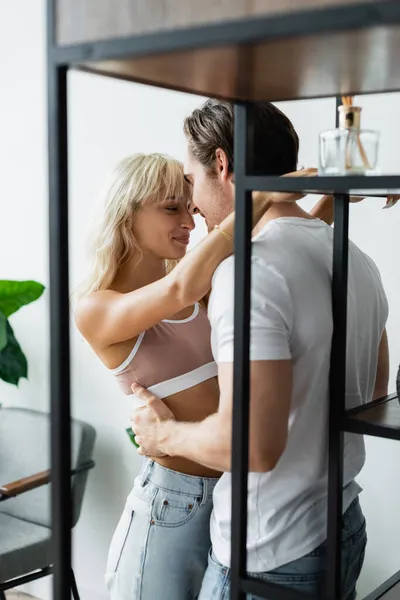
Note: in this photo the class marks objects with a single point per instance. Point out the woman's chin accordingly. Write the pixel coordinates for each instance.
(177, 252)
(178, 255)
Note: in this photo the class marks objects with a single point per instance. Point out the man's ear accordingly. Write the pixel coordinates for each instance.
(222, 165)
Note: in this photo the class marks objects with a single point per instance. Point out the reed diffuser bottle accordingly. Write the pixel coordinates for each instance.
(348, 150)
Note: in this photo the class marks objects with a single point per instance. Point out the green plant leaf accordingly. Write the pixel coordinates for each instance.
(3, 331)
(13, 363)
(14, 294)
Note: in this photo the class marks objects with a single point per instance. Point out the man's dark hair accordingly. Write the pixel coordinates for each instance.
(276, 143)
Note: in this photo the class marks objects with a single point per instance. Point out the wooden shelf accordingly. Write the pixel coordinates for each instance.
(80, 21)
(379, 418)
(390, 590)
(225, 51)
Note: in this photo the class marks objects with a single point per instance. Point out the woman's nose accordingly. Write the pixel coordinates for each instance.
(188, 221)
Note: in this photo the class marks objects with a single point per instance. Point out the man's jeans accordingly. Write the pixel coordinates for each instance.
(306, 574)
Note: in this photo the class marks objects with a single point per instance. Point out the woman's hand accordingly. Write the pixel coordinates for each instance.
(262, 201)
(391, 200)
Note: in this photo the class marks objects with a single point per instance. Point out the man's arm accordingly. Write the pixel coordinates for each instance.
(210, 441)
(325, 210)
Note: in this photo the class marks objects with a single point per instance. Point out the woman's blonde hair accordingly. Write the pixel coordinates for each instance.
(133, 181)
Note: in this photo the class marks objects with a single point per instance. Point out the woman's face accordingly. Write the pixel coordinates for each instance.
(162, 227)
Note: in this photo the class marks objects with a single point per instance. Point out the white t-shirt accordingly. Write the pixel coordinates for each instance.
(291, 318)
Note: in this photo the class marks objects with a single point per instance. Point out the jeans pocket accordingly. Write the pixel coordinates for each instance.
(173, 509)
(215, 564)
(118, 541)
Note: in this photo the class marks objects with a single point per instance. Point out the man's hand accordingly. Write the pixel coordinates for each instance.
(147, 423)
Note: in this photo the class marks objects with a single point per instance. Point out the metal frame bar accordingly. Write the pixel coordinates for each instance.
(12, 583)
(337, 391)
(17, 581)
(61, 500)
(241, 379)
(375, 185)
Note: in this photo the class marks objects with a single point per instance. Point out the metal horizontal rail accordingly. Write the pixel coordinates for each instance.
(371, 185)
(17, 581)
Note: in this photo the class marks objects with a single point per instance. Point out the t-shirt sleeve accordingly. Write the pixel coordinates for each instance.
(271, 313)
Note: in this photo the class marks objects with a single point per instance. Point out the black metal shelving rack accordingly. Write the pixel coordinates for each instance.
(380, 418)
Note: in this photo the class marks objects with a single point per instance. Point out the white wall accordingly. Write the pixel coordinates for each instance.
(108, 120)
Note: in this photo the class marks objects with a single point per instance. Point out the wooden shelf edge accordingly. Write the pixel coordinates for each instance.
(240, 30)
(390, 590)
(357, 420)
(366, 407)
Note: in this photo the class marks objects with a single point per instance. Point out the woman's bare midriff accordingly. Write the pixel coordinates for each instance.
(193, 404)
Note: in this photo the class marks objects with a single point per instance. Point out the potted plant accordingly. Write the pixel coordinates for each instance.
(14, 295)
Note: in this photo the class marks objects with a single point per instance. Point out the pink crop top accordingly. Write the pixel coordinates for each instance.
(170, 357)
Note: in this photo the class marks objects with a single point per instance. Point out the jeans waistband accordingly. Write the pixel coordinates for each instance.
(174, 481)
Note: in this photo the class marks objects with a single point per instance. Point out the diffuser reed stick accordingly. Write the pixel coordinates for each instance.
(351, 120)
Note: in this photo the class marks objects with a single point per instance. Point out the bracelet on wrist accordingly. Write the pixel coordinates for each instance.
(224, 233)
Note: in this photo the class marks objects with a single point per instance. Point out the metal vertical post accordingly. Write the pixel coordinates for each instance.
(59, 319)
(241, 380)
(337, 391)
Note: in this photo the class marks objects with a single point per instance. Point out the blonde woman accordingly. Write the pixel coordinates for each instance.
(146, 324)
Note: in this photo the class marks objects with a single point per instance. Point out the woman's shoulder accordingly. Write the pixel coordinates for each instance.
(90, 307)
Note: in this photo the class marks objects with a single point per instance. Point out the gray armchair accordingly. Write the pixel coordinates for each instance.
(25, 516)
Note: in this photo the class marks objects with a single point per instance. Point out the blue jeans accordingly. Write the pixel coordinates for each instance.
(159, 549)
(305, 574)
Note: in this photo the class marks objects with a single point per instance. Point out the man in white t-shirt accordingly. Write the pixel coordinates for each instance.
(291, 330)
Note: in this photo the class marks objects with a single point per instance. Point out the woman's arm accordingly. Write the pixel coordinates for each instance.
(108, 317)
(324, 210)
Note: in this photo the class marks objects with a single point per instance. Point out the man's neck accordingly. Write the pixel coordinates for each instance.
(284, 209)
